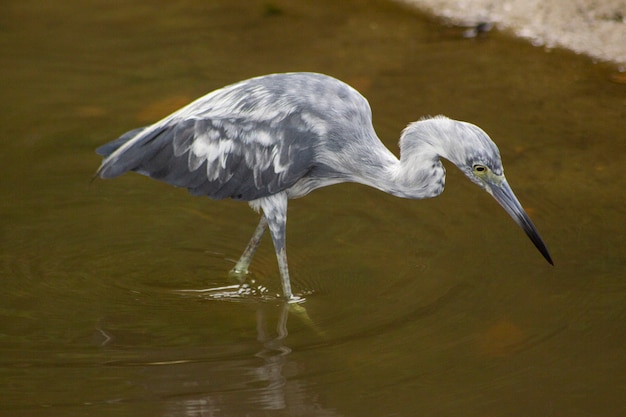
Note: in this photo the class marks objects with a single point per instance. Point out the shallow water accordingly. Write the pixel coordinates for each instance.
(435, 307)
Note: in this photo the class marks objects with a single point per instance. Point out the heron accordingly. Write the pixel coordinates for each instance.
(276, 137)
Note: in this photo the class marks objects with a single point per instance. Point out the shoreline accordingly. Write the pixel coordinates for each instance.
(595, 29)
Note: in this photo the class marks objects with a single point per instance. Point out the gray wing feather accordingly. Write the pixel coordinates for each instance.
(236, 158)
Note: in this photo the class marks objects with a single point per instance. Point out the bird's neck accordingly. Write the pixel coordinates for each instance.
(420, 173)
(417, 174)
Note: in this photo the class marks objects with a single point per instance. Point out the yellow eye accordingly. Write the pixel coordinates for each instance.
(479, 169)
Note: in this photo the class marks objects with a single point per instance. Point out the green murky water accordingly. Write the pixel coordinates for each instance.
(418, 308)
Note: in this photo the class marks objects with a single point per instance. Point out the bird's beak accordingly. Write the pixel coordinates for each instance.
(503, 194)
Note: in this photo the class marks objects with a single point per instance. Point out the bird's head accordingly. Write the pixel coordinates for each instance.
(478, 157)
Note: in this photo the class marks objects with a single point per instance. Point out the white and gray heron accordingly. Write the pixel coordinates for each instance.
(271, 138)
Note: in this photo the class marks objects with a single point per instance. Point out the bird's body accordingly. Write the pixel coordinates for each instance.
(271, 138)
(284, 132)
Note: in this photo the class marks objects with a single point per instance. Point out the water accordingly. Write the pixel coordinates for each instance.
(436, 307)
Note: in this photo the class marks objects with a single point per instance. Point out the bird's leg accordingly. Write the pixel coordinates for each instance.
(275, 211)
(281, 255)
(241, 267)
(277, 230)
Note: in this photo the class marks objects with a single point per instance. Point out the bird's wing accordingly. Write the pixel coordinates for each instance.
(240, 157)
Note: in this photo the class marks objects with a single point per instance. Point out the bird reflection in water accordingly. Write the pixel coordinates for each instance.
(237, 383)
(274, 354)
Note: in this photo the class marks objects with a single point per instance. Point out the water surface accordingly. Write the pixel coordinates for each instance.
(414, 308)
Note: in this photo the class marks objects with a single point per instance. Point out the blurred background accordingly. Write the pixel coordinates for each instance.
(438, 307)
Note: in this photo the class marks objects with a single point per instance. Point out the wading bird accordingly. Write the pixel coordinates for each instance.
(275, 137)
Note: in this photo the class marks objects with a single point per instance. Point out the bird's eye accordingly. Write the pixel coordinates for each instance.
(479, 169)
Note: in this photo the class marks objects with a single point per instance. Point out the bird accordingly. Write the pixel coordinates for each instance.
(276, 137)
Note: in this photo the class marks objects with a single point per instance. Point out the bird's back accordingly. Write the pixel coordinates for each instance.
(245, 141)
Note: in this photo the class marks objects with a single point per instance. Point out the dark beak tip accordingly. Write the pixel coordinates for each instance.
(539, 244)
(504, 195)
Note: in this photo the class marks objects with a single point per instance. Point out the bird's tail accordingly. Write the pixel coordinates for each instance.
(107, 149)
(111, 167)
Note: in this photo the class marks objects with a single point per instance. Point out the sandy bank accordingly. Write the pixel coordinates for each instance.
(594, 28)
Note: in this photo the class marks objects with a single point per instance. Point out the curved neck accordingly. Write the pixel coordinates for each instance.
(417, 174)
